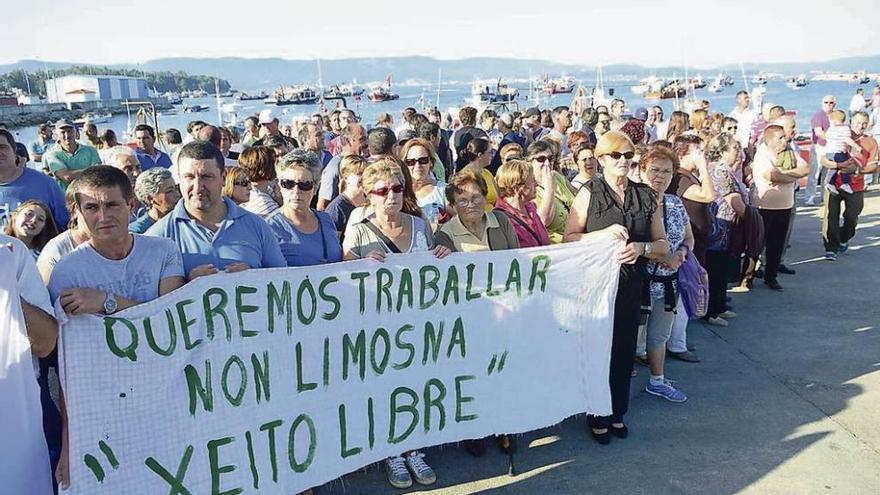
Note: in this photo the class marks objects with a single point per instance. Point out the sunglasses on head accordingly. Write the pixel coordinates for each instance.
(617, 155)
(383, 191)
(305, 185)
(422, 160)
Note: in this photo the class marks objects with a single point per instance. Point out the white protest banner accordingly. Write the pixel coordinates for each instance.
(273, 381)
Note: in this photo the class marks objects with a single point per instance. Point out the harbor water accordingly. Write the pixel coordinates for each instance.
(804, 101)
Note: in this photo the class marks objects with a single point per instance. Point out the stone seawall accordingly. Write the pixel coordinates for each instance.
(15, 116)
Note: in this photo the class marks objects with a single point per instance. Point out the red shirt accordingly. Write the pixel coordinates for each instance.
(869, 149)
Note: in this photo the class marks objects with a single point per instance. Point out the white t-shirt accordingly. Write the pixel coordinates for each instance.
(857, 103)
(24, 458)
(744, 120)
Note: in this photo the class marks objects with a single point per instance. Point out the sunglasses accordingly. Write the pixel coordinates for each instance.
(617, 155)
(541, 158)
(829, 102)
(383, 191)
(242, 184)
(305, 185)
(422, 160)
(605, 122)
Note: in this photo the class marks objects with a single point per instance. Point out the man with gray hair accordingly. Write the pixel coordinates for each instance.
(157, 192)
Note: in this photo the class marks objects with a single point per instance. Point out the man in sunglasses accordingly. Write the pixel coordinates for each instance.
(818, 124)
(212, 232)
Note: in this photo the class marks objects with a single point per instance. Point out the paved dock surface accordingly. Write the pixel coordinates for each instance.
(785, 401)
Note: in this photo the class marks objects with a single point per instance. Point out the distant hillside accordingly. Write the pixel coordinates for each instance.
(265, 73)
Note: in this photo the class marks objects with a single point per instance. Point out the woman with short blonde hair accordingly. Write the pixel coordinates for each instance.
(516, 194)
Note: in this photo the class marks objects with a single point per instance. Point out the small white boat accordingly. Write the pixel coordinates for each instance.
(797, 83)
(716, 86)
(94, 118)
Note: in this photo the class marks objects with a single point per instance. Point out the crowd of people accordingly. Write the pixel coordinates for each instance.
(100, 226)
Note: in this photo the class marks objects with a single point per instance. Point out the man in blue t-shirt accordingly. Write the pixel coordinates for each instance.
(147, 153)
(19, 183)
(38, 147)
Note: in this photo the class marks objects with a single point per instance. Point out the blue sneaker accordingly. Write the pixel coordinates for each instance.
(844, 247)
(667, 391)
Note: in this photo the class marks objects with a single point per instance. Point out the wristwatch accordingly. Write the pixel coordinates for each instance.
(648, 248)
(110, 304)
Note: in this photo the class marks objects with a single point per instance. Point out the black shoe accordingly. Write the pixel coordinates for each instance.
(476, 448)
(619, 432)
(643, 360)
(601, 438)
(759, 273)
(786, 270)
(773, 285)
(691, 347)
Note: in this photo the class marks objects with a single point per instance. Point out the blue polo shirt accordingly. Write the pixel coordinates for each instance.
(39, 148)
(33, 185)
(147, 161)
(241, 237)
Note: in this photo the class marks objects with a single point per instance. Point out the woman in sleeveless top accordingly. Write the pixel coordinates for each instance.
(614, 205)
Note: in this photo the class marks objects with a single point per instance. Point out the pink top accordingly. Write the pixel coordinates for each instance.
(530, 230)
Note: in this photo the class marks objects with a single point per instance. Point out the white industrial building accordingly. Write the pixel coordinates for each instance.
(76, 89)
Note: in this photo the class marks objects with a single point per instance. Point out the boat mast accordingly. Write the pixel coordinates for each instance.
(439, 81)
(217, 96)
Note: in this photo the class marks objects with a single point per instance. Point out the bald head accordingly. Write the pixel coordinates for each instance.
(788, 125)
(209, 134)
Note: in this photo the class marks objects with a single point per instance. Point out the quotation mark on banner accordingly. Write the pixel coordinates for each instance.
(93, 463)
(500, 363)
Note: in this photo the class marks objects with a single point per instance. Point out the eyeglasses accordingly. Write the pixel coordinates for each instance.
(242, 184)
(383, 191)
(540, 158)
(305, 185)
(422, 160)
(732, 128)
(617, 155)
(829, 102)
(464, 202)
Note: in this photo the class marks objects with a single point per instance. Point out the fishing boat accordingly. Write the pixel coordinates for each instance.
(343, 90)
(491, 91)
(797, 82)
(646, 85)
(294, 95)
(671, 89)
(759, 78)
(195, 108)
(383, 92)
(94, 118)
(560, 85)
(860, 77)
(697, 82)
(247, 97)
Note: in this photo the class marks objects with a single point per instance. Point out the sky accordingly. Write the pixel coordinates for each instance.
(701, 33)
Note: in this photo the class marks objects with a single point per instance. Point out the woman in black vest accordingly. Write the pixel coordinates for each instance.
(613, 205)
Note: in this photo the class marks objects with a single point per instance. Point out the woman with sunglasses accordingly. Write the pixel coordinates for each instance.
(237, 186)
(478, 155)
(613, 205)
(430, 193)
(553, 194)
(306, 236)
(391, 231)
